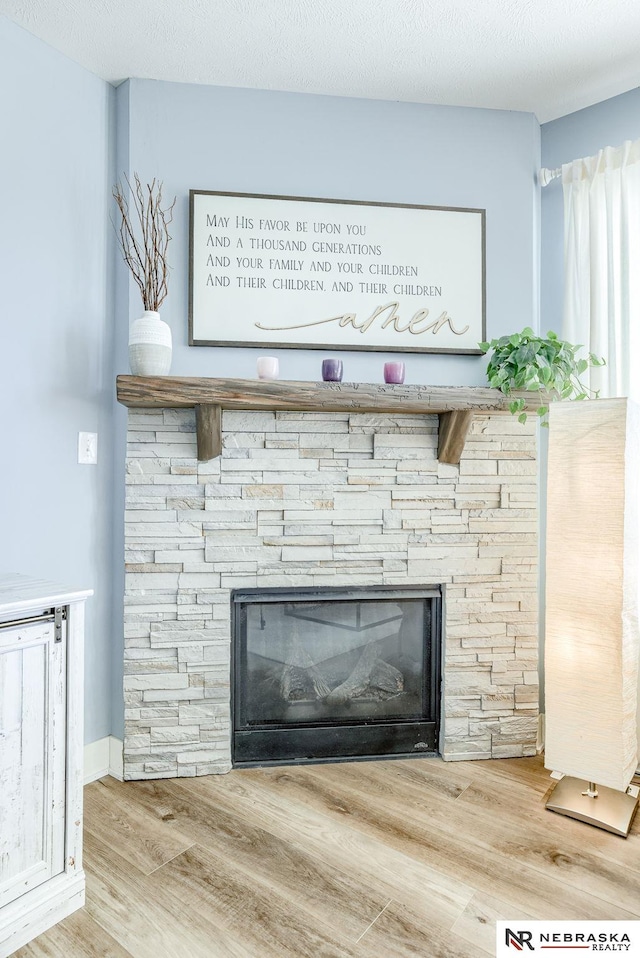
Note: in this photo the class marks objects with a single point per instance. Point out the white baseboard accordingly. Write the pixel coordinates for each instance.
(103, 757)
(116, 758)
(540, 739)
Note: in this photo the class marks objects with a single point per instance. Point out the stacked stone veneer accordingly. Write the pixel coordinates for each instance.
(324, 499)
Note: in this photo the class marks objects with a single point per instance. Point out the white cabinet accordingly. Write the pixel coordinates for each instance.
(41, 737)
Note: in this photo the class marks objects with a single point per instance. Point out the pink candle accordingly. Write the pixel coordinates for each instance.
(268, 367)
(394, 372)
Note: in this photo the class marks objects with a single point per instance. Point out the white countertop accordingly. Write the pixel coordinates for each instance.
(22, 594)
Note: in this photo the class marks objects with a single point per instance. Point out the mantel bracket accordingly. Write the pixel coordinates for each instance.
(208, 431)
(453, 429)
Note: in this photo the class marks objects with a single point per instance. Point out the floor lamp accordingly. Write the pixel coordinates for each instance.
(592, 639)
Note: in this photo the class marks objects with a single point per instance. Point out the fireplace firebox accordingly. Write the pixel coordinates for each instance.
(330, 674)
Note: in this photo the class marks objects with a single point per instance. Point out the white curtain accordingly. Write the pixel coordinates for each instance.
(602, 265)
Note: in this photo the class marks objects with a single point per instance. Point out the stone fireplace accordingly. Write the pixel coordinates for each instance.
(325, 500)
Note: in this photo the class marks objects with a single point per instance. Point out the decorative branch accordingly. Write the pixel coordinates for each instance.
(143, 237)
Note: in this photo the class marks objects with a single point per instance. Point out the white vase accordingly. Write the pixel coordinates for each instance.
(149, 345)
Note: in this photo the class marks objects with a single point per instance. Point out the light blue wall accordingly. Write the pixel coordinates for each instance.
(57, 364)
(214, 138)
(121, 363)
(579, 134)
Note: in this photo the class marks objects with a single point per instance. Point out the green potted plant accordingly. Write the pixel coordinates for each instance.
(524, 362)
(143, 237)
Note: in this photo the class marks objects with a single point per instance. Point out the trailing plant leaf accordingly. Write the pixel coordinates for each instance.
(526, 362)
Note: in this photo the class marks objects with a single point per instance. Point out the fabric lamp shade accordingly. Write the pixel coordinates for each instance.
(592, 590)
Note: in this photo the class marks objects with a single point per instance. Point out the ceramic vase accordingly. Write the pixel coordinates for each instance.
(149, 345)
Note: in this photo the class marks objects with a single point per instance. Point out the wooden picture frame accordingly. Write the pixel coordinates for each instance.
(293, 272)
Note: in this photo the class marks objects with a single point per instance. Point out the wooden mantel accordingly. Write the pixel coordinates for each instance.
(455, 405)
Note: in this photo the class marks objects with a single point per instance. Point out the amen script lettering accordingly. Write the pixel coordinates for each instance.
(418, 324)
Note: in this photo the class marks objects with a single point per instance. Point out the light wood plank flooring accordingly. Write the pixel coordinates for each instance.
(363, 860)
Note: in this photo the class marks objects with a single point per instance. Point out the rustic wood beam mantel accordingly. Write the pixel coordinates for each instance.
(455, 405)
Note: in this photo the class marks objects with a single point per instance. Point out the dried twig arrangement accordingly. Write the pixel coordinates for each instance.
(143, 237)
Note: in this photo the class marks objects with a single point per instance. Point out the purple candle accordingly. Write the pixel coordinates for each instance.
(332, 370)
(394, 372)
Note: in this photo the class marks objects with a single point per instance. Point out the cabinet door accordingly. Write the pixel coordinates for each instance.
(32, 757)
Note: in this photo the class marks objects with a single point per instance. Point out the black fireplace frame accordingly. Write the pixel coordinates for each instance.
(313, 742)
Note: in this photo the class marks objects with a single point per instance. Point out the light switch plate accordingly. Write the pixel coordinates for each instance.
(88, 448)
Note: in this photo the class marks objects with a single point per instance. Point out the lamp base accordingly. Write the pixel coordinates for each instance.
(611, 810)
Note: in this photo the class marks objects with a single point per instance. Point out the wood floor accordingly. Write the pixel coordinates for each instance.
(363, 860)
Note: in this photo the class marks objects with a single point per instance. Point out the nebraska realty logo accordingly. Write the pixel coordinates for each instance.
(561, 937)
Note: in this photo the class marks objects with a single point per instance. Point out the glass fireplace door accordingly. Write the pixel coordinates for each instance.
(335, 673)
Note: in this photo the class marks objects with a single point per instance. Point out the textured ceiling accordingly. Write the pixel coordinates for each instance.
(550, 57)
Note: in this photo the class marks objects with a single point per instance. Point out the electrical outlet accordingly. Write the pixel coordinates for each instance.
(88, 448)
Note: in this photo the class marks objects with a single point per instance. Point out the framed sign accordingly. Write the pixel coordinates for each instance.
(298, 272)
